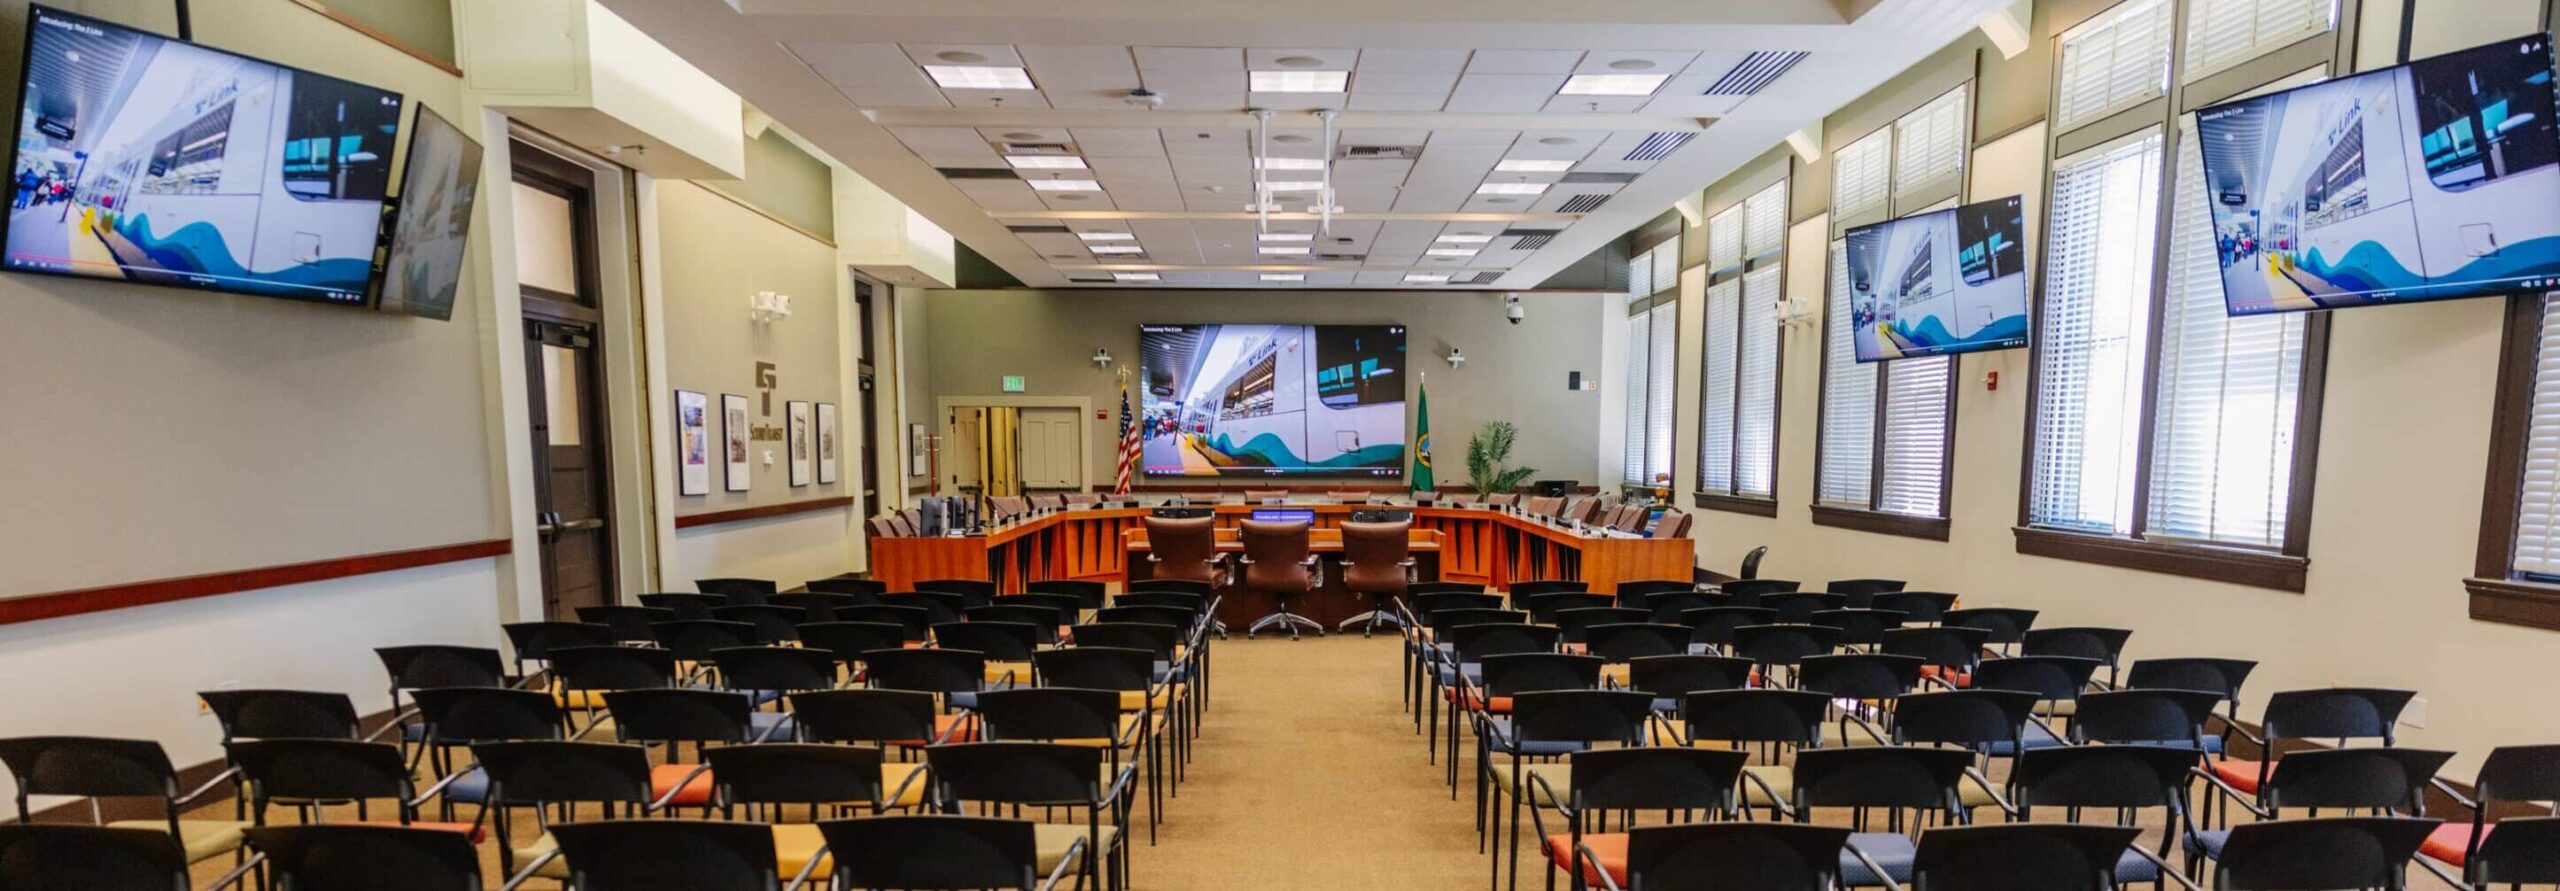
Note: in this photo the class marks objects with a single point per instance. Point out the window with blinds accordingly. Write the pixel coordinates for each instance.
(2537, 533)
(1845, 470)
(1639, 402)
(1653, 332)
(2098, 249)
(1862, 178)
(1738, 408)
(2114, 61)
(1911, 473)
(1928, 151)
(2223, 33)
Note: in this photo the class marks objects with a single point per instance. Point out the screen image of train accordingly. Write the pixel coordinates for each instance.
(1268, 400)
(1950, 281)
(2432, 180)
(144, 159)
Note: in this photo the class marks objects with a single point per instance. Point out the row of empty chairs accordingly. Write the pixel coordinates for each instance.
(828, 749)
(1941, 745)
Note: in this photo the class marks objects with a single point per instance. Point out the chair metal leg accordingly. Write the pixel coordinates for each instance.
(1369, 621)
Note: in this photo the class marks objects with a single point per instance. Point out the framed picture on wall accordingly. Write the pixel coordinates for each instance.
(735, 438)
(799, 435)
(826, 442)
(693, 443)
(915, 450)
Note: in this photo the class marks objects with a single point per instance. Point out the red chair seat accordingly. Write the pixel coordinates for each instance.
(1961, 680)
(1610, 848)
(2241, 774)
(1475, 701)
(943, 726)
(2451, 843)
(664, 777)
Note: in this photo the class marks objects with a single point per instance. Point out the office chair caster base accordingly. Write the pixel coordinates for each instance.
(1291, 621)
(1370, 621)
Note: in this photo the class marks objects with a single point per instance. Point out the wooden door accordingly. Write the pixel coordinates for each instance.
(573, 487)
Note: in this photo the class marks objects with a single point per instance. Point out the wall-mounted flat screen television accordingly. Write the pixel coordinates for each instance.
(433, 222)
(1272, 400)
(145, 159)
(2427, 181)
(1949, 281)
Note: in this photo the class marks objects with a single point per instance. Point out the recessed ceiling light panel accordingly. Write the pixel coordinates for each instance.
(1443, 252)
(1426, 278)
(1106, 236)
(1465, 239)
(1289, 163)
(1115, 249)
(1288, 236)
(978, 77)
(1298, 81)
(1284, 276)
(1071, 185)
(1309, 185)
(1612, 84)
(1502, 188)
(1532, 165)
(1047, 162)
(1136, 277)
(1284, 251)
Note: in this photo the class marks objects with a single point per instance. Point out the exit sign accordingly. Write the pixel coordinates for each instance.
(1013, 383)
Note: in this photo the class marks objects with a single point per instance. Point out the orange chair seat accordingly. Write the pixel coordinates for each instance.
(1958, 679)
(477, 832)
(2241, 774)
(664, 777)
(2451, 843)
(1610, 848)
(1476, 701)
(943, 726)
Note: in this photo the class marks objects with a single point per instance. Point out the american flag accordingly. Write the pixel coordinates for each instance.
(1128, 438)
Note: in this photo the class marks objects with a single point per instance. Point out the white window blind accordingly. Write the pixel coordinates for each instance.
(2226, 406)
(1722, 330)
(2114, 61)
(1911, 477)
(1928, 151)
(1764, 221)
(1666, 265)
(1660, 387)
(1755, 421)
(1847, 449)
(2538, 505)
(1639, 379)
(1861, 177)
(1724, 238)
(2099, 242)
(1640, 277)
(2223, 33)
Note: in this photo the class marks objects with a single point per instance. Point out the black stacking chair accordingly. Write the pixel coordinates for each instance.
(534, 641)
(306, 773)
(867, 589)
(1711, 629)
(1671, 678)
(847, 641)
(1007, 643)
(914, 620)
(582, 675)
(1090, 595)
(1176, 616)
(823, 778)
(282, 714)
(1865, 677)
(1047, 775)
(2042, 856)
(1950, 652)
(1620, 642)
(355, 857)
(674, 717)
(459, 717)
(2340, 714)
(2166, 718)
(2321, 852)
(1547, 724)
(630, 624)
(1776, 722)
(1597, 782)
(1063, 609)
(1748, 592)
(2123, 779)
(2103, 644)
(1503, 676)
(650, 855)
(819, 606)
(974, 592)
(538, 774)
(766, 673)
(45, 856)
(1859, 627)
(1077, 716)
(2513, 851)
(1863, 592)
(1521, 590)
(1542, 608)
(1462, 664)
(1923, 607)
(1639, 594)
(741, 592)
(1574, 624)
(1783, 645)
(1699, 857)
(1043, 621)
(686, 606)
(2056, 681)
(939, 606)
(100, 768)
(692, 640)
(886, 721)
(1909, 786)
(1798, 607)
(941, 852)
(773, 624)
(958, 676)
(1984, 723)
(438, 665)
(2374, 781)
(1665, 609)
(2007, 625)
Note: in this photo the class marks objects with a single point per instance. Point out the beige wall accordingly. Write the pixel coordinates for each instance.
(159, 433)
(1515, 373)
(2395, 510)
(712, 253)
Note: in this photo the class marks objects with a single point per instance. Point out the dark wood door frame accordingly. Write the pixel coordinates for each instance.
(574, 321)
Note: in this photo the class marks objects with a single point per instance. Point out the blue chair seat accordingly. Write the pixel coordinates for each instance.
(2037, 738)
(1891, 850)
(2209, 842)
(2133, 867)
(413, 732)
(1499, 733)
(1473, 670)
(472, 789)
(759, 721)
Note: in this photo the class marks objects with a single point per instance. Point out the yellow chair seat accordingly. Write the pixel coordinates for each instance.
(202, 839)
(794, 844)
(579, 699)
(558, 868)
(1128, 723)
(2058, 708)
(1617, 673)
(1053, 840)
(892, 773)
(1021, 672)
(1853, 736)
(1559, 777)
(1779, 777)
(1972, 793)
(1166, 696)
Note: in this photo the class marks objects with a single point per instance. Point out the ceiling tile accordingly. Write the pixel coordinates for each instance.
(920, 96)
(1437, 82)
(989, 54)
(1000, 194)
(1111, 142)
(1083, 63)
(1398, 101)
(1509, 61)
(1259, 59)
(1513, 93)
(1195, 99)
(1382, 137)
(996, 98)
(1146, 199)
(1025, 134)
(1641, 62)
(1556, 145)
(1595, 104)
(1443, 60)
(861, 64)
(1189, 58)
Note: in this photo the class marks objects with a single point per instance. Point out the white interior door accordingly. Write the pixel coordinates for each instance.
(1052, 453)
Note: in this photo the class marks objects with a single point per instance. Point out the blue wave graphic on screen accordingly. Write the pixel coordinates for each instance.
(1931, 336)
(1266, 450)
(200, 248)
(2371, 267)
(2366, 267)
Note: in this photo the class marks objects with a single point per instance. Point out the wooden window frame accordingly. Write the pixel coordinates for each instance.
(1729, 502)
(2495, 593)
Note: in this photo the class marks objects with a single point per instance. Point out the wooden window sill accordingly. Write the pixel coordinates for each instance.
(1880, 522)
(1740, 504)
(2238, 566)
(2512, 602)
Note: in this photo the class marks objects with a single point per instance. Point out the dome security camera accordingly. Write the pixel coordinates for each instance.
(1513, 309)
(1144, 98)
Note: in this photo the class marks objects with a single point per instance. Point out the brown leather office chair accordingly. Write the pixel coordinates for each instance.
(1543, 506)
(1631, 518)
(1076, 498)
(1049, 502)
(1348, 497)
(1258, 496)
(1578, 507)
(1185, 549)
(1377, 562)
(1673, 524)
(880, 528)
(1277, 560)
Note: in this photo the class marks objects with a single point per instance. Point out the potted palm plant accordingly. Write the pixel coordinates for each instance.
(1489, 457)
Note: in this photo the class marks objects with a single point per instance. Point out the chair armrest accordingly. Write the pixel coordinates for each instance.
(1120, 784)
(526, 874)
(1996, 798)
(1872, 866)
(944, 734)
(583, 731)
(2434, 870)
(1064, 864)
(801, 880)
(2230, 727)
(440, 785)
(2164, 867)
(901, 792)
(397, 721)
(1775, 800)
(2449, 792)
(1873, 732)
(1583, 852)
(232, 878)
(678, 789)
(1934, 680)
(217, 780)
(1548, 793)
(2243, 798)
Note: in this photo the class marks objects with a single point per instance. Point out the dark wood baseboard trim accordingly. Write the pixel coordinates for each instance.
(2514, 603)
(787, 508)
(57, 604)
(2256, 569)
(1758, 507)
(1881, 523)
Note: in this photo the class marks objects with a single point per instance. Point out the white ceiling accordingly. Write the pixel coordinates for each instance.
(1441, 101)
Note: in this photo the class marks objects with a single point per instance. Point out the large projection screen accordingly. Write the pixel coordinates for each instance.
(1272, 400)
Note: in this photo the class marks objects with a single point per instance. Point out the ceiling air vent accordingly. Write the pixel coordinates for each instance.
(1038, 230)
(1596, 179)
(1038, 148)
(1660, 145)
(1532, 242)
(1486, 277)
(1381, 152)
(1755, 73)
(976, 173)
(1347, 257)
(1582, 203)
(1090, 280)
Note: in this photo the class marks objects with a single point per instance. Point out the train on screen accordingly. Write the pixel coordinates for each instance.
(1254, 400)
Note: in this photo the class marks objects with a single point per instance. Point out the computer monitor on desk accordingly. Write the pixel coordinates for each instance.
(1284, 515)
(1183, 513)
(1381, 516)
